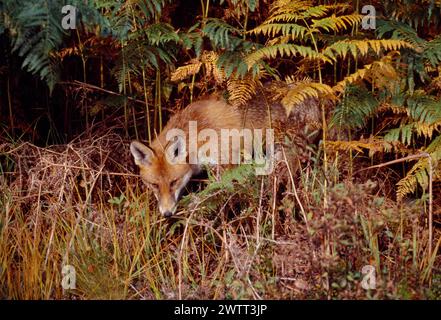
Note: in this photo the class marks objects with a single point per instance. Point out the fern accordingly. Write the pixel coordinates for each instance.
(159, 34)
(361, 47)
(301, 91)
(229, 180)
(230, 40)
(415, 13)
(432, 52)
(138, 55)
(372, 144)
(283, 50)
(225, 61)
(37, 32)
(424, 108)
(399, 30)
(425, 53)
(288, 11)
(336, 23)
(192, 39)
(419, 173)
(186, 71)
(150, 8)
(292, 30)
(403, 134)
(209, 60)
(220, 33)
(423, 117)
(241, 90)
(146, 43)
(357, 105)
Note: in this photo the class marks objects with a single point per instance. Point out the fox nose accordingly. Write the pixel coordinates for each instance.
(168, 214)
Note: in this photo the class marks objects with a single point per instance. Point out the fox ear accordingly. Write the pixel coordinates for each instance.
(143, 155)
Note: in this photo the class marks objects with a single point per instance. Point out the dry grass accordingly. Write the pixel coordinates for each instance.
(242, 237)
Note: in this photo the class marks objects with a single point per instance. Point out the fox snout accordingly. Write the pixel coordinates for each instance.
(167, 206)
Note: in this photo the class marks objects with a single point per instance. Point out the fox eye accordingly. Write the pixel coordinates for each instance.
(154, 185)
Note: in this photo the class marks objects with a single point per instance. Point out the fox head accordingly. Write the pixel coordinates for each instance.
(162, 173)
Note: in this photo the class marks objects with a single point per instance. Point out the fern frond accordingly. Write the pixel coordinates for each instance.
(381, 74)
(186, 71)
(395, 109)
(401, 31)
(136, 56)
(415, 13)
(432, 51)
(210, 60)
(220, 32)
(287, 11)
(38, 34)
(192, 40)
(336, 23)
(241, 90)
(150, 8)
(229, 180)
(402, 133)
(351, 79)
(351, 112)
(160, 34)
(424, 108)
(422, 115)
(292, 30)
(302, 91)
(283, 50)
(361, 47)
(292, 79)
(427, 130)
(232, 62)
(419, 174)
(372, 144)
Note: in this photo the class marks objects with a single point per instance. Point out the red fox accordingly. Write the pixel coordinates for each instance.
(166, 166)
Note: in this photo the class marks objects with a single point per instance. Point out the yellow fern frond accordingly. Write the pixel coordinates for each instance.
(398, 110)
(419, 174)
(286, 29)
(334, 23)
(408, 184)
(283, 50)
(303, 90)
(374, 145)
(381, 74)
(291, 79)
(427, 130)
(209, 59)
(288, 10)
(358, 75)
(361, 47)
(186, 71)
(241, 90)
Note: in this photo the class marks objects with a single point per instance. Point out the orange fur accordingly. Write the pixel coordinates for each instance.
(167, 179)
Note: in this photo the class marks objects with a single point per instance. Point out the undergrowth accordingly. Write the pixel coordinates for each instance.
(242, 237)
